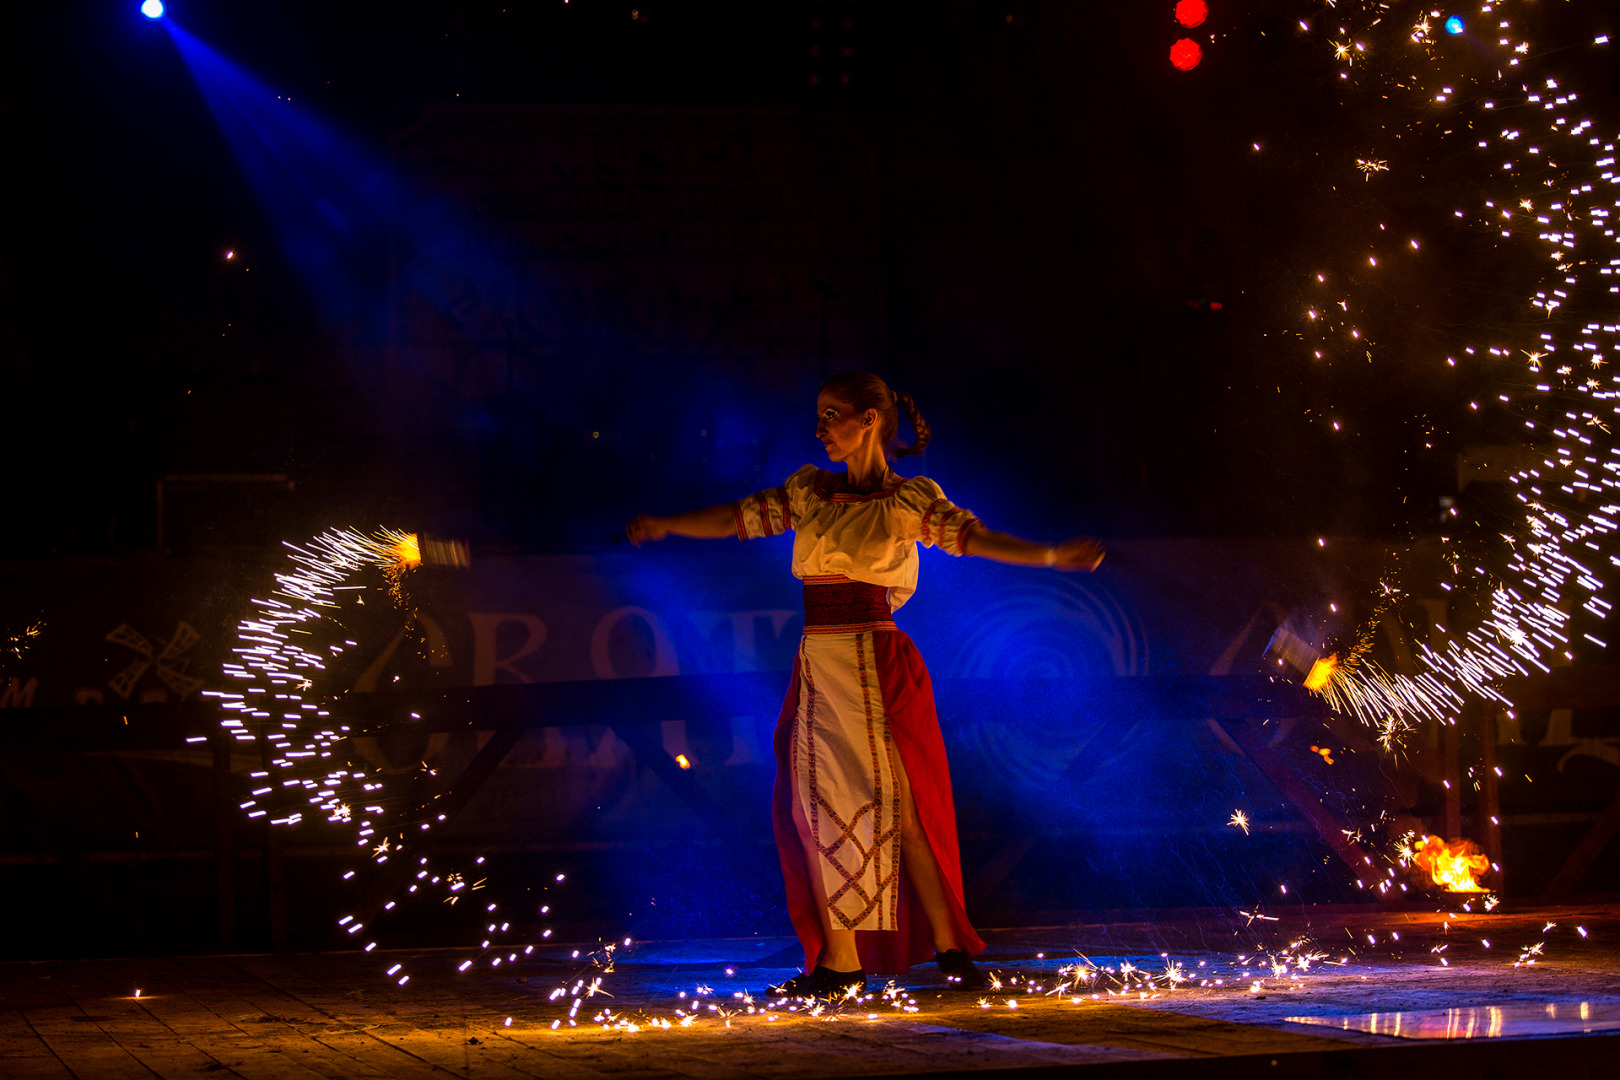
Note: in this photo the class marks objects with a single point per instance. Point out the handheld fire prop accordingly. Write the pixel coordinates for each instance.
(1350, 682)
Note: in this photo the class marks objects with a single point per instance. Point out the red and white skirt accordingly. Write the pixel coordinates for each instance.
(860, 712)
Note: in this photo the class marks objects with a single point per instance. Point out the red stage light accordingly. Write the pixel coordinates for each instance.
(1191, 13)
(1185, 54)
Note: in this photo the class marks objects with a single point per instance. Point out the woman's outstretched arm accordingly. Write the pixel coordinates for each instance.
(710, 523)
(1081, 553)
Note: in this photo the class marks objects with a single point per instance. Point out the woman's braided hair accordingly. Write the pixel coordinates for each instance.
(862, 390)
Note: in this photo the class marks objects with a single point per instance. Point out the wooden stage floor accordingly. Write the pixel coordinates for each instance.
(1247, 1005)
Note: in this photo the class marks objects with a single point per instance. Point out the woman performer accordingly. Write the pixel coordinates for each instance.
(862, 785)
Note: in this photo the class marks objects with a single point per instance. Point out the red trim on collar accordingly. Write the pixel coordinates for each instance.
(827, 484)
(885, 494)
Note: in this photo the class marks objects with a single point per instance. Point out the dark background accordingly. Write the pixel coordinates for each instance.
(1056, 208)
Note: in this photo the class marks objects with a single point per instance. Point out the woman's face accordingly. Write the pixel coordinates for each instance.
(841, 429)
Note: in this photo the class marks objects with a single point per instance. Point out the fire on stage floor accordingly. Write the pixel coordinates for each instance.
(1330, 992)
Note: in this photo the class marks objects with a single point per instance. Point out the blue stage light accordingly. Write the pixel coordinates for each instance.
(1454, 25)
(152, 9)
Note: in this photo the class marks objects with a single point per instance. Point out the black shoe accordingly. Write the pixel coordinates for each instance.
(959, 972)
(823, 983)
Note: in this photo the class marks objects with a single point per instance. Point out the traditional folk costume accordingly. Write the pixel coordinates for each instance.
(860, 707)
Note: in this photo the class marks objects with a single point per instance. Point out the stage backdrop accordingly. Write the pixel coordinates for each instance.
(1063, 804)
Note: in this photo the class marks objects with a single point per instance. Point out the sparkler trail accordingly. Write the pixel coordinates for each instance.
(14, 643)
(1545, 177)
(286, 652)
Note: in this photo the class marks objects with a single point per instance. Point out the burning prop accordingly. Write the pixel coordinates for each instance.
(1455, 867)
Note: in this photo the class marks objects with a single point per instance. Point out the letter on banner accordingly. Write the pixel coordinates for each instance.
(486, 633)
(16, 694)
(664, 662)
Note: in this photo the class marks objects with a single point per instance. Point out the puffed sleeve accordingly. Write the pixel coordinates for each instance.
(939, 522)
(774, 510)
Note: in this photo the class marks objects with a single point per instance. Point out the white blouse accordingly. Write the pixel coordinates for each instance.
(871, 538)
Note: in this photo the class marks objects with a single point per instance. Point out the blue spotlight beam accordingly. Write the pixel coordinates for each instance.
(340, 214)
(326, 201)
(152, 9)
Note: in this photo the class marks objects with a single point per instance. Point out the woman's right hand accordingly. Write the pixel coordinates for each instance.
(1082, 553)
(645, 528)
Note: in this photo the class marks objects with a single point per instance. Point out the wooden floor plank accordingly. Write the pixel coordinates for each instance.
(1136, 1027)
(104, 992)
(23, 986)
(451, 1052)
(151, 1043)
(131, 1023)
(467, 1008)
(268, 1019)
(854, 1046)
(255, 1044)
(333, 1017)
(957, 1043)
(85, 1049)
(676, 1055)
(390, 1044)
(608, 1054)
(25, 1055)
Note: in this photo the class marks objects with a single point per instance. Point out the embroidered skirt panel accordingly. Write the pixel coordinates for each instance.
(859, 711)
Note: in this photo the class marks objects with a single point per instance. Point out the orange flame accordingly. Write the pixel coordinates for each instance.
(1455, 866)
(407, 552)
(1321, 672)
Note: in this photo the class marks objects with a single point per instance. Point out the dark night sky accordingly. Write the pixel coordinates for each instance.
(1056, 207)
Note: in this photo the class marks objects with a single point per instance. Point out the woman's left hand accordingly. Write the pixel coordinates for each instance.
(645, 529)
(1081, 553)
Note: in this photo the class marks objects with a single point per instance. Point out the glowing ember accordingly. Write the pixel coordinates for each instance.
(1455, 866)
